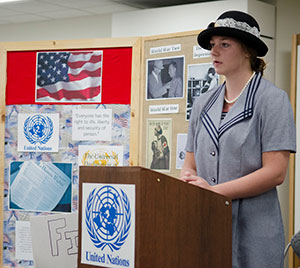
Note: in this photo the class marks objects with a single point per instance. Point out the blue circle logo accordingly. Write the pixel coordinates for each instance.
(108, 217)
(38, 129)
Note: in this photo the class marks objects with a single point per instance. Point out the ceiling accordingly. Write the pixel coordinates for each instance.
(43, 10)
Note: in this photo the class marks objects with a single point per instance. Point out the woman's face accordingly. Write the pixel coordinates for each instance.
(228, 55)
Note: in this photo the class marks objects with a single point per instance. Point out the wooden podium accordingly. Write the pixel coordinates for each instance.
(177, 224)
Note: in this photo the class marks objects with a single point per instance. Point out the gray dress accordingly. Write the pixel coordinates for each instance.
(260, 121)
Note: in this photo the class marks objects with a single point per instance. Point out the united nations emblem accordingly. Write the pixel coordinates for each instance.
(38, 129)
(108, 217)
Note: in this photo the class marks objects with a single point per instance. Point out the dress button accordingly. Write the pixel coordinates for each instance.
(213, 179)
(213, 153)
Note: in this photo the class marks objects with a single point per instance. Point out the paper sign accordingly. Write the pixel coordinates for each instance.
(38, 132)
(164, 49)
(23, 241)
(100, 155)
(55, 240)
(164, 109)
(92, 124)
(199, 52)
(108, 225)
(180, 150)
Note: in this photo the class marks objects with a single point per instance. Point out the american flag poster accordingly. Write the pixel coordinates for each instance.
(69, 76)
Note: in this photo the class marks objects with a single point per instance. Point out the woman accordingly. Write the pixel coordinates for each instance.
(239, 140)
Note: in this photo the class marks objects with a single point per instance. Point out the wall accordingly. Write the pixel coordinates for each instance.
(171, 19)
(66, 29)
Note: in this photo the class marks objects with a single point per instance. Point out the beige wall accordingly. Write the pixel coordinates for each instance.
(63, 29)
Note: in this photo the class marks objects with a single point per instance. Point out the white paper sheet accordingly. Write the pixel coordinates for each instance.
(55, 240)
(92, 124)
(91, 155)
(38, 187)
(23, 241)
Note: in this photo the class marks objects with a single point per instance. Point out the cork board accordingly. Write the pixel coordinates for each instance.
(170, 110)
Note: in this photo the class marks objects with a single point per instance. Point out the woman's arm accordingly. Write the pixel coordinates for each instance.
(272, 173)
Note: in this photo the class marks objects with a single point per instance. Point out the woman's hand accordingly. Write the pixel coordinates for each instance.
(195, 180)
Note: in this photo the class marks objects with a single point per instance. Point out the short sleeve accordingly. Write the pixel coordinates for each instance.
(278, 131)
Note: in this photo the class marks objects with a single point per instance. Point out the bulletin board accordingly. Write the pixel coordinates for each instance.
(165, 115)
(294, 172)
(118, 93)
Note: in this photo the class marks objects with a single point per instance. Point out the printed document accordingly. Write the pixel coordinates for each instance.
(39, 186)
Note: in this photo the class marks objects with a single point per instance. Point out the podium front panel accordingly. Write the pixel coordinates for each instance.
(176, 224)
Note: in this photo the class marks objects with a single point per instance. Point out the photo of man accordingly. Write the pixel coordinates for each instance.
(165, 78)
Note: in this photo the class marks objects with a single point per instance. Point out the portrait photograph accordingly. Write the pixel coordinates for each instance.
(159, 135)
(201, 78)
(165, 78)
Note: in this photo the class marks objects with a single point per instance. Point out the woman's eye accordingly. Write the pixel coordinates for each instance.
(211, 45)
(225, 45)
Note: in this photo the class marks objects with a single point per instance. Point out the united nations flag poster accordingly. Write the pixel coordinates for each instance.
(108, 225)
(38, 132)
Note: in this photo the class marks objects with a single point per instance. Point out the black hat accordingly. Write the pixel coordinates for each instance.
(235, 24)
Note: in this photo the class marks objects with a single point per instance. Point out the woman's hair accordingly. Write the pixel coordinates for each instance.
(257, 64)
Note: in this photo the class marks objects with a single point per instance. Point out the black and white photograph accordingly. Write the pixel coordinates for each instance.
(201, 78)
(165, 78)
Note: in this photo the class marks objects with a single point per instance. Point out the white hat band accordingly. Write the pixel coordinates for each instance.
(243, 26)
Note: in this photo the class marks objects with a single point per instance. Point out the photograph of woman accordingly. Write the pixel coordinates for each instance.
(239, 140)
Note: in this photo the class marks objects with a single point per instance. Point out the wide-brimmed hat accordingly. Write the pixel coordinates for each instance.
(235, 24)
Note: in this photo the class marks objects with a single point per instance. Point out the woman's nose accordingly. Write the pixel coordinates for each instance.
(214, 50)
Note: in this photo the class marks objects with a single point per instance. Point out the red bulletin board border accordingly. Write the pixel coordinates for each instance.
(116, 77)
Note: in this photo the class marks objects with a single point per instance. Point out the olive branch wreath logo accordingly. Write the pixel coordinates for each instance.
(30, 138)
(91, 231)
